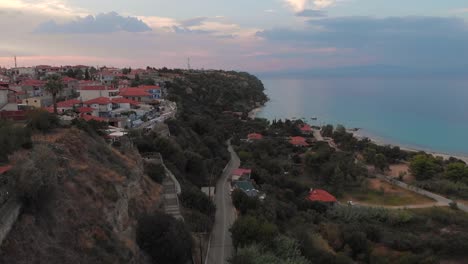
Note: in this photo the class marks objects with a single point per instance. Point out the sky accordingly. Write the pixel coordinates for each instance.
(257, 36)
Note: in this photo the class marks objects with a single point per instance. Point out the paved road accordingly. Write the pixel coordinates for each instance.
(220, 248)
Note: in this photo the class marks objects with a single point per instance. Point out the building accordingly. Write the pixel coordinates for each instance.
(247, 187)
(90, 92)
(8, 99)
(241, 174)
(103, 105)
(298, 142)
(254, 136)
(38, 101)
(137, 94)
(34, 88)
(71, 86)
(306, 129)
(321, 196)
(68, 105)
(154, 90)
(124, 103)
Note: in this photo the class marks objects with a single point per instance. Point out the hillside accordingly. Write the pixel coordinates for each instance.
(83, 201)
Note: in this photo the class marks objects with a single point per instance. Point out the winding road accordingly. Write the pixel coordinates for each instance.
(220, 247)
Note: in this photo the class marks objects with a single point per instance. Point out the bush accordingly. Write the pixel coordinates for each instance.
(12, 138)
(36, 177)
(42, 120)
(155, 171)
(193, 198)
(164, 238)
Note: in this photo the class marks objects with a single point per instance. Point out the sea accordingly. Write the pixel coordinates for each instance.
(428, 114)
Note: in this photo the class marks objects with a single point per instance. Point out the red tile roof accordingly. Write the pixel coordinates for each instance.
(306, 128)
(86, 109)
(95, 118)
(134, 92)
(149, 87)
(68, 103)
(67, 79)
(4, 169)
(99, 101)
(121, 100)
(33, 83)
(241, 172)
(298, 141)
(321, 196)
(255, 136)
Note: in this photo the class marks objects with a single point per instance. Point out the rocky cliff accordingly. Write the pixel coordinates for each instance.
(89, 210)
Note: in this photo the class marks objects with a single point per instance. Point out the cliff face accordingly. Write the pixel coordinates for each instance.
(90, 215)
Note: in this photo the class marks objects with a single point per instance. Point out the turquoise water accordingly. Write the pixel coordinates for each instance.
(429, 114)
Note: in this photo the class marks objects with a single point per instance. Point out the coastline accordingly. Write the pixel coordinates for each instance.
(382, 142)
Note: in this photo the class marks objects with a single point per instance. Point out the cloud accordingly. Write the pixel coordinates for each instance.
(57, 8)
(101, 23)
(301, 5)
(311, 13)
(193, 21)
(407, 41)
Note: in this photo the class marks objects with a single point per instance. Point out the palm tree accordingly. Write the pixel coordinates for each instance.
(54, 86)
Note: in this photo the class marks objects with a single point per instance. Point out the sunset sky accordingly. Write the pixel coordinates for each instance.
(259, 36)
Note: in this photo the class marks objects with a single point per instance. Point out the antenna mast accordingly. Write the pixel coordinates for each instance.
(188, 64)
(16, 65)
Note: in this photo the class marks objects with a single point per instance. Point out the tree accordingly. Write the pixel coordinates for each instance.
(86, 74)
(248, 230)
(457, 171)
(327, 131)
(424, 167)
(115, 82)
(54, 86)
(164, 238)
(380, 162)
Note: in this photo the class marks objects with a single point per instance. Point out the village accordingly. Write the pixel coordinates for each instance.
(123, 98)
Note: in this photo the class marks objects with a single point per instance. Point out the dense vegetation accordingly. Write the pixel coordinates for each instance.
(196, 151)
(287, 224)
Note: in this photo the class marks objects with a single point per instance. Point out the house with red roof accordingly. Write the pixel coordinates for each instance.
(298, 142)
(306, 129)
(95, 118)
(254, 136)
(33, 88)
(321, 196)
(103, 105)
(89, 92)
(137, 94)
(67, 105)
(241, 174)
(124, 103)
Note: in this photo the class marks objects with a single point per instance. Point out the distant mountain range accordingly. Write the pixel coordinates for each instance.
(369, 71)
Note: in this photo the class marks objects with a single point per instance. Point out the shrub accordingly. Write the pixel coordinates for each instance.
(42, 120)
(193, 198)
(164, 238)
(12, 137)
(155, 171)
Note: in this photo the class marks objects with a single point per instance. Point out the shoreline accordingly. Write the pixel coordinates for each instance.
(358, 134)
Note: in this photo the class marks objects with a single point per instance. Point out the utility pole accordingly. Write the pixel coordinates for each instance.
(188, 64)
(16, 65)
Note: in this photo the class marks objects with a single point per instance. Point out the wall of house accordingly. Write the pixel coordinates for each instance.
(86, 95)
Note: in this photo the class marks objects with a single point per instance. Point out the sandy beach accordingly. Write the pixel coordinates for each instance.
(359, 134)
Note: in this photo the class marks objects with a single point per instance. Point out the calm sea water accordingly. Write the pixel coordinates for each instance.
(429, 114)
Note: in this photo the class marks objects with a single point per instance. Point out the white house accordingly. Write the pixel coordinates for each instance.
(102, 104)
(95, 91)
